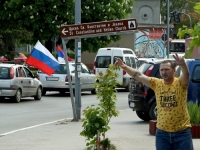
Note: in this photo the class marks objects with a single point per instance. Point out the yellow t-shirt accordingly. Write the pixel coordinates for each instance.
(171, 105)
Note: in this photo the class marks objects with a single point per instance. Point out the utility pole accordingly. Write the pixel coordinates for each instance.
(78, 61)
(168, 28)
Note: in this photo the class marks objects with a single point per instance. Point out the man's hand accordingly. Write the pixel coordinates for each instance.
(179, 60)
(119, 63)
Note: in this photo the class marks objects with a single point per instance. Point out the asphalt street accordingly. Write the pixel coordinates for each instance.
(127, 132)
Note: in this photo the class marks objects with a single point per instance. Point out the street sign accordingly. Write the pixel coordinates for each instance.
(98, 28)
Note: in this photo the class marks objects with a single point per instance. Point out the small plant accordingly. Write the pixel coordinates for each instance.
(194, 112)
(96, 120)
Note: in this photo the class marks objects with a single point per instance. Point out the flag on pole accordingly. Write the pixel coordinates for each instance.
(61, 55)
(42, 59)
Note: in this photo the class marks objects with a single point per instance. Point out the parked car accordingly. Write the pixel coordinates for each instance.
(19, 58)
(194, 82)
(58, 81)
(142, 98)
(171, 55)
(143, 60)
(17, 81)
(3, 59)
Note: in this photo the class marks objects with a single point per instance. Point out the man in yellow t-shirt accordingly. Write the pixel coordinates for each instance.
(173, 121)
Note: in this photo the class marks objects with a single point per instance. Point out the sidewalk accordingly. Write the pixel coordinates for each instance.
(127, 132)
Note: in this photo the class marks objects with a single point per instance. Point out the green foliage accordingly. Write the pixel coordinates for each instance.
(26, 54)
(194, 33)
(194, 112)
(72, 55)
(106, 143)
(34, 71)
(43, 18)
(55, 54)
(96, 120)
(185, 5)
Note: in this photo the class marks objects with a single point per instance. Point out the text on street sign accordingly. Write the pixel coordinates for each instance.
(98, 27)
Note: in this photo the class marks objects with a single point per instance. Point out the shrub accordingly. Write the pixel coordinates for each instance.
(96, 120)
(194, 112)
(26, 54)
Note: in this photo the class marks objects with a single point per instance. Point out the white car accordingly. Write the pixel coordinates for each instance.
(58, 81)
(17, 81)
(144, 60)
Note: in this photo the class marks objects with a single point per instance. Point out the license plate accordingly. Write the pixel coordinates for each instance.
(132, 104)
(52, 78)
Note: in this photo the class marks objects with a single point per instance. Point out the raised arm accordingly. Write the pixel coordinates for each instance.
(133, 72)
(185, 75)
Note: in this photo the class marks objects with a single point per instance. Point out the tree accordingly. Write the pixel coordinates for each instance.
(183, 6)
(194, 33)
(8, 39)
(44, 17)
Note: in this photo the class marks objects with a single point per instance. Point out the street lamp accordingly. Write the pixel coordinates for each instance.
(177, 17)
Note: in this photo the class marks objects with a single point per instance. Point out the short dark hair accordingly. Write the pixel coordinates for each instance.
(172, 63)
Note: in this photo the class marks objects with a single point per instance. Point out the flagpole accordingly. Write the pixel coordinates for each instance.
(70, 82)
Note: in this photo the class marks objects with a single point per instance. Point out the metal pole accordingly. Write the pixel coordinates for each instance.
(168, 28)
(78, 61)
(70, 82)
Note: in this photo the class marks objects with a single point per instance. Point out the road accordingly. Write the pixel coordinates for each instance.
(52, 107)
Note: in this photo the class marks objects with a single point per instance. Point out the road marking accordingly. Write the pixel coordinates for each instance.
(22, 129)
(4, 134)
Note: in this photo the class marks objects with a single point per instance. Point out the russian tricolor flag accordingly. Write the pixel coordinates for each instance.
(42, 59)
(61, 55)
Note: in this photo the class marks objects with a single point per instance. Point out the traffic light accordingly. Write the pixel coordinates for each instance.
(176, 16)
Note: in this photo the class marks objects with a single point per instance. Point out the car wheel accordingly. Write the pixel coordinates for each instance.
(127, 88)
(94, 91)
(17, 96)
(62, 92)
(38, 95)
(153, 111)
(144, 115)
(43, 92)
(2, 98)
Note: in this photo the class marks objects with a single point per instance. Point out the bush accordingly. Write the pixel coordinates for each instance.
(96, 120)
(194, 112)
(26, 54)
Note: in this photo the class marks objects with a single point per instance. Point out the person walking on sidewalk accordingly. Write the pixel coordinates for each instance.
(173, 121)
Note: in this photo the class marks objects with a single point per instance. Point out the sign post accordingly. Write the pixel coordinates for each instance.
(78, 61)
(86, 30)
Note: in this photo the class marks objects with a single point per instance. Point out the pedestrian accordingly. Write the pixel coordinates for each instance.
(173, 122)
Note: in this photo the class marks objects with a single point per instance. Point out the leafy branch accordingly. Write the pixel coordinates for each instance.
(96, 120)
(194, 33)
